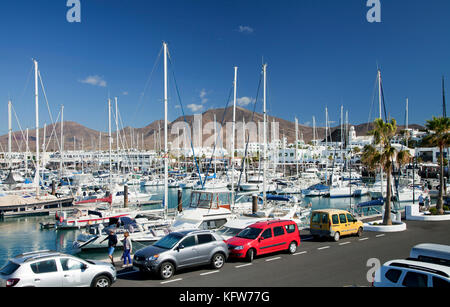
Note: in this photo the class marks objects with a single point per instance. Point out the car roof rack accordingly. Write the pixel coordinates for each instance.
(420, 268)
(277, 221)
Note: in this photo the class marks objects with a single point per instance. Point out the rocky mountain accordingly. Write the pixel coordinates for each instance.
(152, 136)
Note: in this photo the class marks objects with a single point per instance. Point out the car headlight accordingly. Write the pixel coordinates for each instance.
(153, 258)
(239, 248)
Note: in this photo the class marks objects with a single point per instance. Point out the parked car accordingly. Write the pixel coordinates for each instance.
(432, 253)
(414, 274)
(264, 238)
(334, 223)
(54, 269)
(180, 250)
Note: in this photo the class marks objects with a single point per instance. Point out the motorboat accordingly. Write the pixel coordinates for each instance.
(141, 230)
(81, 218)
(316, 190)
(208, 209)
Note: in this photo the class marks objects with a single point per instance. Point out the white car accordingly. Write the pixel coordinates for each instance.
(413, 274)
(54, 269)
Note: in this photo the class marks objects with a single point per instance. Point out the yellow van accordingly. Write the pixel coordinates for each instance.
(334, 223)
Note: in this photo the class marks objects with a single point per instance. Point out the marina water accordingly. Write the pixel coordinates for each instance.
(20, 235)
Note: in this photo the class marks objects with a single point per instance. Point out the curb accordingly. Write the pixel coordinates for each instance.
(396, 227)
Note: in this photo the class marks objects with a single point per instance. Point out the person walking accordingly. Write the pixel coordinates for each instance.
(127, 249)
(112, 243)
(421, 202)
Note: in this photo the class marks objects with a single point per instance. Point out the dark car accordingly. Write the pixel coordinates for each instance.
(181, 250)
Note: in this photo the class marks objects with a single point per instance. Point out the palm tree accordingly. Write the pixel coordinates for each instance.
(382, 155)
(438, 129)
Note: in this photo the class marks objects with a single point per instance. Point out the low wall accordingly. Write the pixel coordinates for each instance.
(413, 214)
(395, 227)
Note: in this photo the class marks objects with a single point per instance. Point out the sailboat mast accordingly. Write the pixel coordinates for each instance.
(117, 134)
(444, 106)
(26, 153)
(265, 136)
(296, 143)
(407, 121)
(233, 135)
(166, 153)
(43, 145)
(36, 95)
(61, 163)
(314, 129)
(379, 93)
(109, 141)
(381, 117)
(215, 137)
(9, 133)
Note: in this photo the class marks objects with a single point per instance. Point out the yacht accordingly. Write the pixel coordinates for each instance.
(142, 230)
(208, 209)
(82, 218)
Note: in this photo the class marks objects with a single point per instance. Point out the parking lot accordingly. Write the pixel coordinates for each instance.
(317, 263)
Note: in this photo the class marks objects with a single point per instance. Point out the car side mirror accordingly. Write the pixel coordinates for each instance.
(261, 239)
(84, 267)
(181, 246)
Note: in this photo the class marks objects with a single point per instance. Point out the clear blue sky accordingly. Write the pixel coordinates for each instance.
(320, 53)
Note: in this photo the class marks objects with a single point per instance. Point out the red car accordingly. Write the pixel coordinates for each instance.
(265, 238)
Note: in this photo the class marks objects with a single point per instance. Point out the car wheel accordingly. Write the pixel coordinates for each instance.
(292, 248)
(250, 255)
(101, 282)
(167, 270)
(218, 260)
(336, 236)
(360, 231)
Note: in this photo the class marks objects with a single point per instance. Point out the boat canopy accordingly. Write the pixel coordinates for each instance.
(277, 197)
(372, 203)
(319, 187)
(210, 199)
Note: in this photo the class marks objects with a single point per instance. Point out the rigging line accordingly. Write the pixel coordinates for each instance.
(53, 133)
(248, 135)
(125, 143)
(217, 135)
(184, 117)
(373, 101)
(20, 126)
(27, 82)
(384, 103)
(48, 109)
(148, 83)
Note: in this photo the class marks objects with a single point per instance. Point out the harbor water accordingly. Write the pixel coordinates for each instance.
(20, 235)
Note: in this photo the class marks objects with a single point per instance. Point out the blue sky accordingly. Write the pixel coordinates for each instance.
(319, 53)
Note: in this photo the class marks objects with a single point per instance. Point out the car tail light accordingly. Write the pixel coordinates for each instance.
(12, 282)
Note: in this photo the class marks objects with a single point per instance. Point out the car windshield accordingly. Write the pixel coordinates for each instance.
(250, 233)
(169, 241)
(228, 231)
(9, 268)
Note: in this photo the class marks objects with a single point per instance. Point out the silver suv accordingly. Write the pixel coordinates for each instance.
(181, 250)
(54, 269)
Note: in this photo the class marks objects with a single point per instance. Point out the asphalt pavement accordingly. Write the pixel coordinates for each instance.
(322, 263)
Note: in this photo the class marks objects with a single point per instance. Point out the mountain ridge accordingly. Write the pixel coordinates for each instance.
(81, 137)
